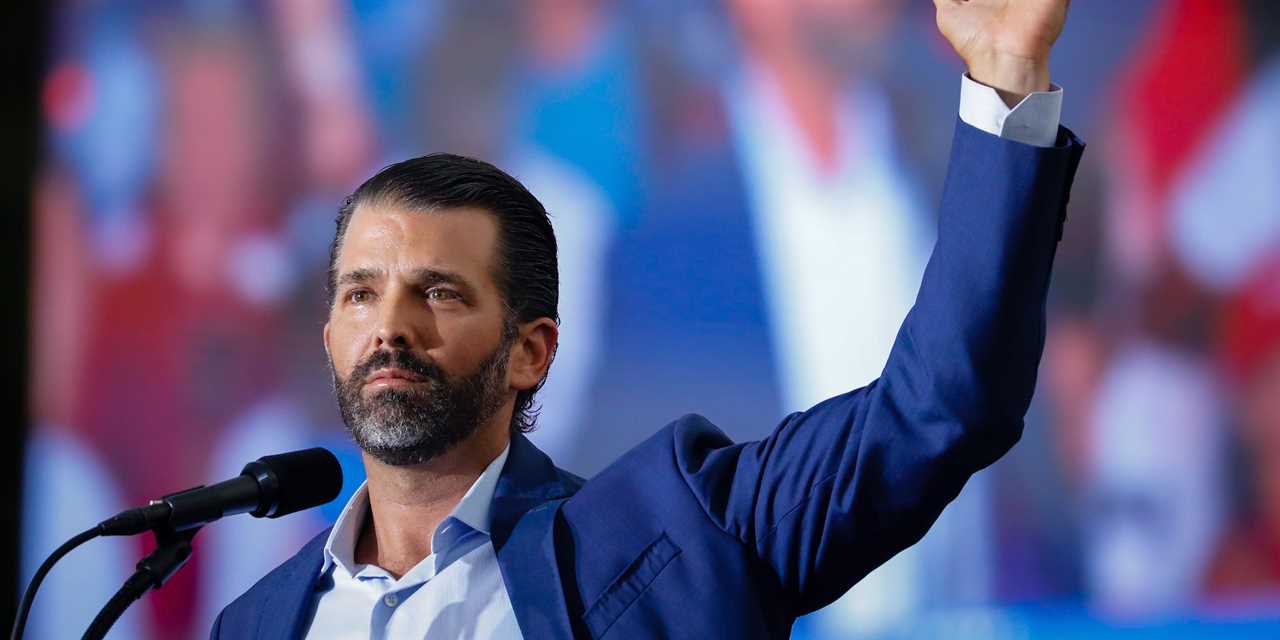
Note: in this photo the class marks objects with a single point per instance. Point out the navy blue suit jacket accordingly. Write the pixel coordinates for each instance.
(690, 535)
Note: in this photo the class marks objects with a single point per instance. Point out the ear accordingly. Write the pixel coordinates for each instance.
(327, 351)
(531, 353)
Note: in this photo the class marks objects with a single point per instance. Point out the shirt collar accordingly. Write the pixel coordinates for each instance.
(473, 510)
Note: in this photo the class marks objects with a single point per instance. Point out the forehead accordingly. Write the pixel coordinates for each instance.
(397, 238)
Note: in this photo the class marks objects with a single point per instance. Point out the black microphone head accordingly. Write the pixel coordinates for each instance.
(294, 481)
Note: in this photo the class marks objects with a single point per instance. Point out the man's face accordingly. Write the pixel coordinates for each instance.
(416, 333)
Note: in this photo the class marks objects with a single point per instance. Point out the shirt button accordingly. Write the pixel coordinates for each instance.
(391, 600)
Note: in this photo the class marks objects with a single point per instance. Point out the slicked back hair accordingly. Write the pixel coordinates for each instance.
(525, 268)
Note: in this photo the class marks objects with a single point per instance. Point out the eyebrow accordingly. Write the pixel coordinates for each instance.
(421, 277)
(360, 276)
(427, 276)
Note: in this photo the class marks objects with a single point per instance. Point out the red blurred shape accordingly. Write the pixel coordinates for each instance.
(68, 97)
(1189, 70)
(1250, 330)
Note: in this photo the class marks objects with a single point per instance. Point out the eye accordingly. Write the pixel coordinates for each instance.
(440, 294)
(359, 296)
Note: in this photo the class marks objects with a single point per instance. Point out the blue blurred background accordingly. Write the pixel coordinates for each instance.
(743, 191)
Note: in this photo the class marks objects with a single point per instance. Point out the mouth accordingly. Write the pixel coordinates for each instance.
(393, 379)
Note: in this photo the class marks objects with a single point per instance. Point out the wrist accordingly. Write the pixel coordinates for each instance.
(1012, 77)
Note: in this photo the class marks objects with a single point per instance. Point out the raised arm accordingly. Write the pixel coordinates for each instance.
(840, 488)
(1004, 43)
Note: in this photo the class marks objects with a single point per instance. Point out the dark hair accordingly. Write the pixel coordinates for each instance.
(525, 269)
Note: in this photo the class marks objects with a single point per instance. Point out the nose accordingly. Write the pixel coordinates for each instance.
(402, 323)
(391, 337)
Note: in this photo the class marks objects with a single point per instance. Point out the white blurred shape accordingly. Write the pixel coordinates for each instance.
(1226, 209)
(260, 269)
(1155, 482)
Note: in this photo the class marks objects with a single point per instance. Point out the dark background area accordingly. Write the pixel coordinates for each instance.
(21, 47)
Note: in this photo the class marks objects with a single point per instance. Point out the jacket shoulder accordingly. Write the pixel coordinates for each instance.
(649, 473)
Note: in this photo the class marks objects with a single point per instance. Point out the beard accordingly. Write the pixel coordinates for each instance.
(410, 426)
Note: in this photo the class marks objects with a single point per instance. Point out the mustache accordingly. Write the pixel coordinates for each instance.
(400, 359)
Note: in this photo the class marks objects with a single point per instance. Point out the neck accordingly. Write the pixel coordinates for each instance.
(407, 503)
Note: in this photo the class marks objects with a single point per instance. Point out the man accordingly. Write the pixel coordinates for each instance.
(442, 327)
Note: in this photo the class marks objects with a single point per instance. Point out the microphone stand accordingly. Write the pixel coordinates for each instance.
(173, 548)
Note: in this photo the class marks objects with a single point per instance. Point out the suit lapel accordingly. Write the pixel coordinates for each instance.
(290, 596)
(525, 502)
(532, 577)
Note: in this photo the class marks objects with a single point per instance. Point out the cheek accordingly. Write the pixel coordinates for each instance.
(346, 342)
(464, 343)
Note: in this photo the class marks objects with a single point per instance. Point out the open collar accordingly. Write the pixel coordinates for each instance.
(472, 510)
(526, 550)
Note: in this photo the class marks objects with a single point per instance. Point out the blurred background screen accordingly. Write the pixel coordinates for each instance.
(744, 194)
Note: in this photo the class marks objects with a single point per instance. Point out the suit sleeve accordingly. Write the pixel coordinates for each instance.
(216, 632)
(840, 488)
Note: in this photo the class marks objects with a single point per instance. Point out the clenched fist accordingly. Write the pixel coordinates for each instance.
(1005, 43)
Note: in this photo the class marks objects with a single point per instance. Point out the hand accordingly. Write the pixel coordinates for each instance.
(1005, 43)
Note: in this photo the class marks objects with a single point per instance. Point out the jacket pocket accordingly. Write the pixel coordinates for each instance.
(630, 584)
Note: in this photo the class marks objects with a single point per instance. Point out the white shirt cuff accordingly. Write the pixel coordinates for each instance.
(1033, 121)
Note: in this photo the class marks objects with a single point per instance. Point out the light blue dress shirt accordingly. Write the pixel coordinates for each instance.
(457, 592)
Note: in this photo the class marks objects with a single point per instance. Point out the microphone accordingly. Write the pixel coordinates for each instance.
(271, 486)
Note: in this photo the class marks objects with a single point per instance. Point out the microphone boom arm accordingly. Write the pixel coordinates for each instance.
(173, 549)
